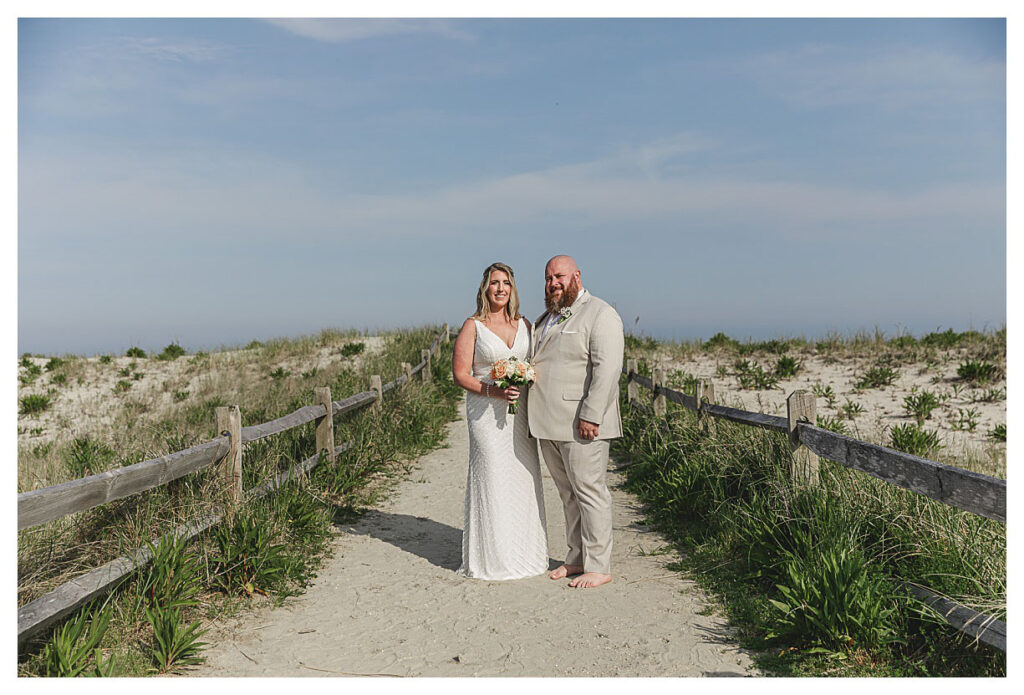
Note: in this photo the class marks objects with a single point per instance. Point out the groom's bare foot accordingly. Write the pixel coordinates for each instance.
(590, 580)
(564, 571)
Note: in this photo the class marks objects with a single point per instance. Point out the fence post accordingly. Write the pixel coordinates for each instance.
(632, 388)
(375, 384)
(425, 355)
(705, 392)
(229, 422)
(658, 379)
(407, 370)
(325, 424)
(444, 336)
(800, 406)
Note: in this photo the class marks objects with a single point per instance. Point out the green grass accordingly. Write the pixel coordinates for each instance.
(351, 349)
(33, 403)
(977, 372)
(272, 548)
(915, 440)
(920, 405)
(753, 376)
(810, 577)
(877, 377)
(787, 367)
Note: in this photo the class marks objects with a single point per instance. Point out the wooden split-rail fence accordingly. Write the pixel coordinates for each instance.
(51, 503)
(976, 493)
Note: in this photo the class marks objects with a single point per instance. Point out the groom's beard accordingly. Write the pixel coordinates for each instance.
(569, 295)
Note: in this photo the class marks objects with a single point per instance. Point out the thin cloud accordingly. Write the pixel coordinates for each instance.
(129, 48)
(341, 30)
(820, 76)
(258, 198)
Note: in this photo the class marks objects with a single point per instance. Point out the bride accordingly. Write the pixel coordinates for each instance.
(504, 533)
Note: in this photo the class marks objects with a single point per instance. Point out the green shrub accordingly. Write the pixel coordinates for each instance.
(681, 380)
(33, 403)
(171, 352)
(634, 342)
(135, 352)
(720, 341)
(174, 643)
(946, 339)
(74, 648)
(779, 347)
(122, 386)
(248, 556)
(832, 600)
(173, 578)
(832, 424)
(966, 419)
(912, 439)
(84, 457)
(904, 342)
(852, 409)
(60, 378)
(32, 371)
(920, 405)
(787, 367)
(179, 396)
(876, 377)
(998, 433)
(106, 359)
(54, 363)
(278, 373)
(752, 376)
(979, 372)
(254, 345)
(350, 349)
(991, 396)
(825, 391)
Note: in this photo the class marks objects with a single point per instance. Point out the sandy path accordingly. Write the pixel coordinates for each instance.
(389, 603)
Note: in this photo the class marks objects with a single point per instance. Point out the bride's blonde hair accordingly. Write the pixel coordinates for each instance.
(483, 307)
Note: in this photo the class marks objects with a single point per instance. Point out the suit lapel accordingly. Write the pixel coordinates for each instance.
(535, 336)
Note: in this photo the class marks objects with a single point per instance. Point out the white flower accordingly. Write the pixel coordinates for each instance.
(566, 312)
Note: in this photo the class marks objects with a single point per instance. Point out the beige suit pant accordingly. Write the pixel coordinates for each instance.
(578, 470)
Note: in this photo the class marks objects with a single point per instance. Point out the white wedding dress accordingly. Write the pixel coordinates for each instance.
(504, 535)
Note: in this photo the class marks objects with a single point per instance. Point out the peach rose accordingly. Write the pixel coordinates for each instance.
(499, 370)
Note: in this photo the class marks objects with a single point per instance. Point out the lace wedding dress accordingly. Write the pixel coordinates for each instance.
(504, 535)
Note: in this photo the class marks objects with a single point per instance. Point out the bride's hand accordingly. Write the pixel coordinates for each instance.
(511, 394)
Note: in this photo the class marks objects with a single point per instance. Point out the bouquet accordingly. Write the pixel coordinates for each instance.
(512, 372)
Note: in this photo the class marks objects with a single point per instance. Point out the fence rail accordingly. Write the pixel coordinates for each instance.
(973, 492)
(48, 504)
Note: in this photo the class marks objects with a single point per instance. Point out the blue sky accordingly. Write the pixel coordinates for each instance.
(213, 181)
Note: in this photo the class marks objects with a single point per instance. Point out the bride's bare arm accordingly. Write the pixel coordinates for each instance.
(462, 366)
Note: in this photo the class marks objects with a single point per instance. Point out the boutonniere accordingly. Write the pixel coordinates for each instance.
(565, 312)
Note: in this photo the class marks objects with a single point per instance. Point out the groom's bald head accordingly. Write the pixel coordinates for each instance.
(562, 261)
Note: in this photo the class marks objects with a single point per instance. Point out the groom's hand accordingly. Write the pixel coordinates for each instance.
(588, 430)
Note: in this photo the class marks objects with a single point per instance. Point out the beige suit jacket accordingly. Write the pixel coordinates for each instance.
(578, 364)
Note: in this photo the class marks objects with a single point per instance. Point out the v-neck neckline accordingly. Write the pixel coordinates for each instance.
(519, 325)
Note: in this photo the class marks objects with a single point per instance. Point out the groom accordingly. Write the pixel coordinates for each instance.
(574, 412)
